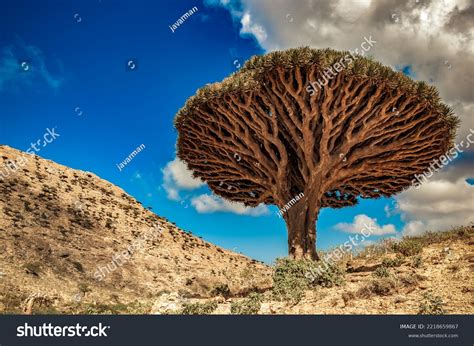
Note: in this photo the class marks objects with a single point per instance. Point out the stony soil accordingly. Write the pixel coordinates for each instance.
(446, 271)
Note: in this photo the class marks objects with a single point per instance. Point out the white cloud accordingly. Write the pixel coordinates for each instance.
(414, 228)
(206, 203)
(437, 205)
(363, 222)
(177, 177)
(445, 200)
(249, 27)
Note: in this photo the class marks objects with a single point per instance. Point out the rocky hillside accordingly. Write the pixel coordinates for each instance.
(72, 242)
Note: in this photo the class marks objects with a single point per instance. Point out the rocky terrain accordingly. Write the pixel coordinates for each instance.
(59, 227)
(434, 276)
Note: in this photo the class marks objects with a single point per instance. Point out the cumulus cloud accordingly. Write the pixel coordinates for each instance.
(177, 177)
(444, 201)
(22, 65)
(414, 228)
(250, 27)
(363, 222)
(206, 203)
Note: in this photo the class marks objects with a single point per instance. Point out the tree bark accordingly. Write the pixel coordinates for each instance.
(301, 224)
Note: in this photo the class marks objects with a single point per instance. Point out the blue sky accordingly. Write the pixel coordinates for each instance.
(76, 79)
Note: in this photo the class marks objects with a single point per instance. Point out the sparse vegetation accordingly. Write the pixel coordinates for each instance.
(111, 309)
(84, 288)
(221, 290)
(289, 280)
(412, 246)
(431, 305)
(292, 277)
(330, 275)
(11, 301)
(458, 233)
(381, 272)
(408, 247)
(381, 287)
(247, 306)
(199, 308)
(393, 262)
(417, 262)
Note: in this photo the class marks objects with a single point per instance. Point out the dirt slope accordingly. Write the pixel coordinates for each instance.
(59, 226)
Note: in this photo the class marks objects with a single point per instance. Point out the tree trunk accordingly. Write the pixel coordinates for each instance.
(301, 224)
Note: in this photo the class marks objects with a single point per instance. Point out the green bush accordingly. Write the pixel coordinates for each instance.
(325, 274)
(381, 272)
(292, 277)
(289, 280)
(381, 287)
(247, 306)
(110, 309)
(83, 287)
(221, 290)
(199, 308)
(417, 262)
(384, 286)
(393, 262)
(431, 305)
(408, 247)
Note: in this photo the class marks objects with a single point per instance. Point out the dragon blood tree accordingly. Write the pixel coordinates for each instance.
(262, 135)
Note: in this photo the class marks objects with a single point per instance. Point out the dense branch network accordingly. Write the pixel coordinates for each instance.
(359, 136)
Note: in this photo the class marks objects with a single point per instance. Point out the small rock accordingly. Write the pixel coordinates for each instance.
(220, 299)
(267, 308)
(167, 303)
(400, 299)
